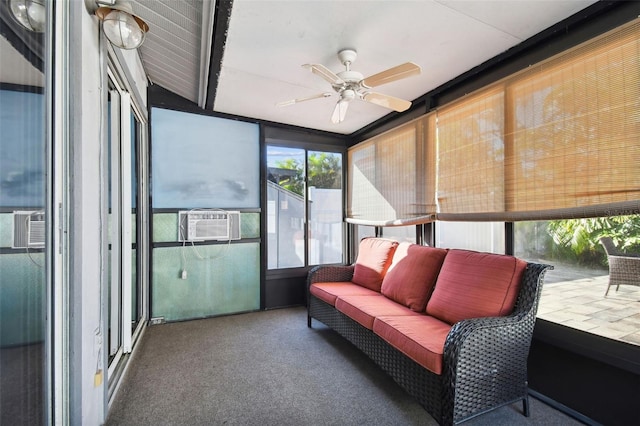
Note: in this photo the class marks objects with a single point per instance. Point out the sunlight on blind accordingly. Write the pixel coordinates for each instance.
(559, 140)
(471, 155)
(386, 178)
(576, 129)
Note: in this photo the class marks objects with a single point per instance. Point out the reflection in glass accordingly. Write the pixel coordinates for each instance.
(289, 172)
(285, 207)
(22, 189)
(325, 207)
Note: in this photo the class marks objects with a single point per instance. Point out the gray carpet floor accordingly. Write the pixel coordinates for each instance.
(268, 368)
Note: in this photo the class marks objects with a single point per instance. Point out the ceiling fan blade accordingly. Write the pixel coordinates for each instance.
(308, 98)
(325, 73)
(387, 101)
(340, 112)
(392, 74)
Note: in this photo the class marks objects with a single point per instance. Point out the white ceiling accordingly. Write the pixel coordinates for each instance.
(268, 41)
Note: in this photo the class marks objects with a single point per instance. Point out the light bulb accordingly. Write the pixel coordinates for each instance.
(123, 30)
(31, 14)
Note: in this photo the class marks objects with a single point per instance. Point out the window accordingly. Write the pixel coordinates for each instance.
(479, 236)
(390, 178)
(216, 159)
(400, 233)
(126, 141)
(24, 193)
(211, 165)
(574, 291)
(304, 207)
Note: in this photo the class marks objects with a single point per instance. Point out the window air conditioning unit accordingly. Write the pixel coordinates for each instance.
(203, 225)
(28, 229)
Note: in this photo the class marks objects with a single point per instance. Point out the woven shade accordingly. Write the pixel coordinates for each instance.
(558, 140)
(471, 154)
(576, 130)
(386, 179)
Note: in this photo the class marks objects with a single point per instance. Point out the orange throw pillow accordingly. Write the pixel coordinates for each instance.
(413, 274)
(374, 258)
(473, 284)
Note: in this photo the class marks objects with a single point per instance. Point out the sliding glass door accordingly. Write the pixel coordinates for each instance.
(126, 230)
(304, 207)
(24, 224)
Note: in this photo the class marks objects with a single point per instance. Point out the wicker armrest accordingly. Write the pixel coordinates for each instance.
(330, 273)
(485, 359)
(469, 337)
(485, 364)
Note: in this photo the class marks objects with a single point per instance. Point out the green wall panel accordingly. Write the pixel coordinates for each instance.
(226, 281)
(250, 225)
(22, 295)
(6, 229)
(165, 227)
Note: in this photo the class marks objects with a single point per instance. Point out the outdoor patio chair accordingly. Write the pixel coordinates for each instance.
(624, 268)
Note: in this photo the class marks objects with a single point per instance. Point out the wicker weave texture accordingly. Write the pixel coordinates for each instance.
(624, 269)
(484, 362)
(419, 382)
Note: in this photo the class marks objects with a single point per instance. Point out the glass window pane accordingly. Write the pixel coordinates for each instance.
(400, 233)
(285, 207)
(325, 207)
(574, 291)
(23, 191)
(363, 231)
(479, 236)
(202, 161)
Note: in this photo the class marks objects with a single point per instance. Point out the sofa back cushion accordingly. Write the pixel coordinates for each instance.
(412, 275)
(473, 285)
(374, 258)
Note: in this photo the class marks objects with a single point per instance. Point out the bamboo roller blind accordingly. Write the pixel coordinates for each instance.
(576, 129)
(387, 179)
(561, 139)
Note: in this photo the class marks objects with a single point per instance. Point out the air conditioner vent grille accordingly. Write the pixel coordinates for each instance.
(202, 225)
(28, 229)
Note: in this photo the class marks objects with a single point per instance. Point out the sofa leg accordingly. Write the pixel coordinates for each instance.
(308, 321)
(525, 406)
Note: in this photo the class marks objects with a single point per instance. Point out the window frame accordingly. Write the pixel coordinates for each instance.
(307, 148)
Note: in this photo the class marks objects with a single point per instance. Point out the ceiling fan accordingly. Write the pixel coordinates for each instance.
(351, 85)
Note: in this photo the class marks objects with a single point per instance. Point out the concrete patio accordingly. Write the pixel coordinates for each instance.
(574, 297)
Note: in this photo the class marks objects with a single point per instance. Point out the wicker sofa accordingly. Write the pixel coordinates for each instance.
(452, 327)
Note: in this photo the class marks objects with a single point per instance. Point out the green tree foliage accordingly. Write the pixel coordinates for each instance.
(325, 171)
(578, 239)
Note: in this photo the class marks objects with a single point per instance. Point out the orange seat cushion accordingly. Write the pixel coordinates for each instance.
(374, 258)
(412, 275)
(328, 292)
(473, 285)
(364, 309)
(420, 337)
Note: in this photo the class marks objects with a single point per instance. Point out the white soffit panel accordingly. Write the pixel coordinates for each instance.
(171, 51)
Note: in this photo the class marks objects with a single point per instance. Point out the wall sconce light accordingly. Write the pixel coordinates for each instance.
(121, 26)
(31, 14)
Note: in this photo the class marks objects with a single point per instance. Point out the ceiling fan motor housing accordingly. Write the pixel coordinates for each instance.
(347, 56)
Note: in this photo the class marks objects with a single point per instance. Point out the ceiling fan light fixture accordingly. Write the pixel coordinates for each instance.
(31, 14)
(123, 29)
(347, 95)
